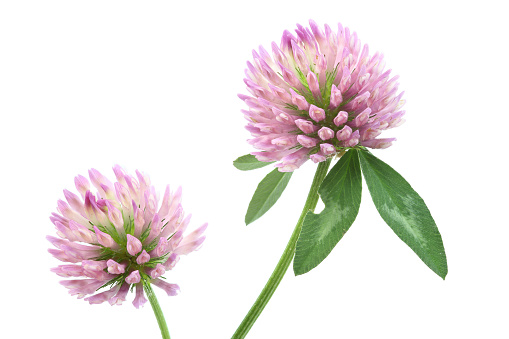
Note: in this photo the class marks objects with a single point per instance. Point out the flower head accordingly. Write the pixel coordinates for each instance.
(319, 94)
(118, 238)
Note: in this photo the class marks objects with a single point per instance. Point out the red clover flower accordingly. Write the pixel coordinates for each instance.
(118, 239)
(318, 95)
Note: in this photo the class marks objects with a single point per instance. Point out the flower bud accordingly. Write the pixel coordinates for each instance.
(316, 113)
(325, 133)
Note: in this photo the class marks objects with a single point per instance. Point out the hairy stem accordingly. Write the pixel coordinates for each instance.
(157, 311)
(286, 258)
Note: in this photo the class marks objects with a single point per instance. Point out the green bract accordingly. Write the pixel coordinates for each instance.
(249, 162)
(267, 193)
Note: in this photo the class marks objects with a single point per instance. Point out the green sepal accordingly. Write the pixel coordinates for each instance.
(341, 193)
(144, 235)
(119, 279)
(154, 261)
(267, 193)
(249, 162)
(404, 211)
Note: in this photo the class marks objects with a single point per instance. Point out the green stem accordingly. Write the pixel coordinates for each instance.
(286, 258)
(157, 311)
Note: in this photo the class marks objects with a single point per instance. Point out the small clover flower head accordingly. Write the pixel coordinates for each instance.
(318, 94)
(119, 238)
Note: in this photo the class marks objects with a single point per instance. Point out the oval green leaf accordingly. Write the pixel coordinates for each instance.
(267, 193)
(341, 194)
(404, 211)
(249, 162)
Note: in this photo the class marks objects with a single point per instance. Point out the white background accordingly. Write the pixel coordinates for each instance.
(152, 85)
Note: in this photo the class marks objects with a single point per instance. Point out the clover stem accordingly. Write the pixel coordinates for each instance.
(157, 311)
(286, 257)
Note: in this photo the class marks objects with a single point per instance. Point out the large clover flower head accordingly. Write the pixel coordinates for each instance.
(318, 94)
(120, 237)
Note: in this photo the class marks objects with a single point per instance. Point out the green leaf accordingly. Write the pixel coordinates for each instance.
(266, 194)
(249, 162)
(341, 194)
(404, 211)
